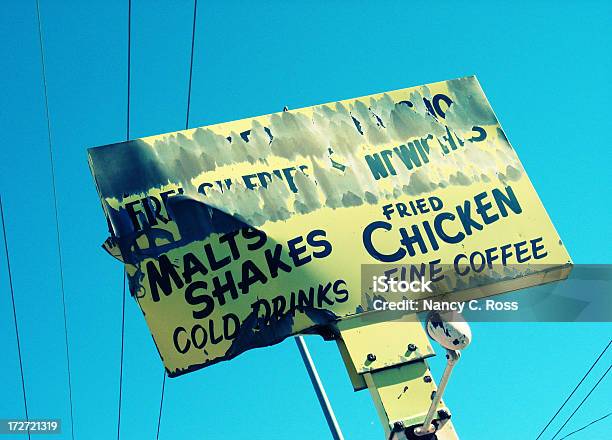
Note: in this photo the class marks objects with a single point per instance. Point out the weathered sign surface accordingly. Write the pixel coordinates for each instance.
(238, 235)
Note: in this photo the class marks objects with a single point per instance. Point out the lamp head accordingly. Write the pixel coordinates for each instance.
(449, 330)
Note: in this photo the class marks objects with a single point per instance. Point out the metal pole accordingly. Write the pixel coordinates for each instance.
(316, 382)
(427, 427)
(319, 390)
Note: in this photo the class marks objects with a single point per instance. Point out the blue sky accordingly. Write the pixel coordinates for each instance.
(544, 65)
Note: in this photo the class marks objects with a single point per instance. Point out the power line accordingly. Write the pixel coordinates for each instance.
(586, 426)
(583, 400)
(121, 360)
(127, 138)
(10, 277)
(129, 68)
(161, 405)
(574, 390)
(193, 30)
(193, 33)
(56, 212)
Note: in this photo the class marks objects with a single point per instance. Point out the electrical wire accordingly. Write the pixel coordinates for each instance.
(121, 360)
(129, 69)
(10, 277)
(581, 403)
(193, 33)
(56, 212)
(586, 426)
(127, 137)
(161, 405)
(574, 390)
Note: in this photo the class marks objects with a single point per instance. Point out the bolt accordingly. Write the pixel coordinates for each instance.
(427, 379)
(412, 347)
(398, 426)
(371, 357)
(443, 414)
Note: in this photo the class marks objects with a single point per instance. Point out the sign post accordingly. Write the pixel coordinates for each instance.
(319, 389)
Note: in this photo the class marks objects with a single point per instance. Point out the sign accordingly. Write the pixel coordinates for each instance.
(238, 235)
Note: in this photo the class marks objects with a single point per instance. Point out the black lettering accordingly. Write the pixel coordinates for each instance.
(228, 319)
(322, 295)
(196, 300)
(219, 290)
(191, 266)
(342, 294)
(257, 234)
(465, 216)
(312, 240)
(212, 260)
(162, 278)
(251, 274)
(295, 251)
(275, 262)
(194, 336)
(181, 348)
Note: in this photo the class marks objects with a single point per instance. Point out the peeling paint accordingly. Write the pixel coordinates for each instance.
(212, 221)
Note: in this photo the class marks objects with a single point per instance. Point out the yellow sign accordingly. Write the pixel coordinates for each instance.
(238, 235)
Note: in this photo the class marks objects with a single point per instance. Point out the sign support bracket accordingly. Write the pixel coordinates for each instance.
(388, 357)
